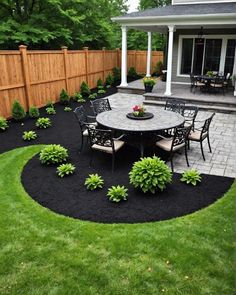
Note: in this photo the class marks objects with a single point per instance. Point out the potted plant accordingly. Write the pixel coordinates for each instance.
(210, 73)
(148, 83)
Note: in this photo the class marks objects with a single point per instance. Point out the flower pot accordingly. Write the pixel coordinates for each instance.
(148, 88)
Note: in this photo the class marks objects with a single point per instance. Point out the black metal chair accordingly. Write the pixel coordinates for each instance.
(190, 113)
(84, 119)
(173, 144)
(100, 105)
(175, 105)
(199, 134)
(218, 84)
(196, 82)
(103, 141)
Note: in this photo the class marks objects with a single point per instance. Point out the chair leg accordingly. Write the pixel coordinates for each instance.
(202, 151)
(186, 154)
(188, 144)
(82, 143)
(171, 162)
(113, 162)
(208, 140)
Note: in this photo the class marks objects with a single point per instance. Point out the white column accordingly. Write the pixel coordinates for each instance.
(234, 72)
(149, 54)
(169, 60)
(124, 58)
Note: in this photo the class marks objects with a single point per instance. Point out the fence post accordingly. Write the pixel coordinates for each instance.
(118, 57)
(64, 50)
(86, 63)
(103, 61)
(24, 61)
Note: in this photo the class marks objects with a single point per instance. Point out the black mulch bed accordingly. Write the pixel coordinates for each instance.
(68, 196)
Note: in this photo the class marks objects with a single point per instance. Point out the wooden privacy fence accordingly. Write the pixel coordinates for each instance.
(35, 77)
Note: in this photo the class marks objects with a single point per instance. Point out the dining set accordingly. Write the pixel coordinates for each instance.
(170, 129)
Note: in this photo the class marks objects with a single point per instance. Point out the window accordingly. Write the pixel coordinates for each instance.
(230, 54)
(186, 61)
(212, 55)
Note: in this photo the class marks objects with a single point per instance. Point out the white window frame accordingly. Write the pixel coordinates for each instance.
(224, 39)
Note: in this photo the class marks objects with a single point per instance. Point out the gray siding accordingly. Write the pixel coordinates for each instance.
(219, 32)
(198, 1)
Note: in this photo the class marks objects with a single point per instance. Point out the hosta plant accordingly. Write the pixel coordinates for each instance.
(67, 109)
(29, 135)
(3, 124)
(101, 91)
(43, 123)
(50, 111)
(191, 177)
(18, 112)
(93, 96)
(78, 97)
(64, 97)
(65, 169)
(94, 181)
(33, 112)
(53, 154)
(150, 174)
(117, 193)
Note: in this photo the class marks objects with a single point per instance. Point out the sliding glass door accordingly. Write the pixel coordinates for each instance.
(212, 55)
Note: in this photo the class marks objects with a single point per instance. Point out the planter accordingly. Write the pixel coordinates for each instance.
(148, 88)
(145, 116)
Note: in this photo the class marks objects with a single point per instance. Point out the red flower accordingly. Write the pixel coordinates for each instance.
(136, 108)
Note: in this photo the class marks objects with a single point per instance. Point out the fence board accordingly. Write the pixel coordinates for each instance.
(34, 77)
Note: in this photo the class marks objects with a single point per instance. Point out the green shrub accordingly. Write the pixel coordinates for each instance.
(65, 169)
(158, 68)
(149, 174)
(109, 80)
(94, 181)
(53, 154)
(50, 111)
(93, 96)
(64, 97)
(84, 89)
(29, 135)
(3, 124)
(43, 123)
(116, 74)
(49, 104)
(117, 193)
(101, 91)
(77, 96)
(100, 84)
(191, 177)
(33, 112)
(67, 109)
(18, 112)
(132, 73)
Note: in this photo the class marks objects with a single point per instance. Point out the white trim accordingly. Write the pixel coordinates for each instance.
(169, 60)
(224, 39)
(182, 83)
(201, 2)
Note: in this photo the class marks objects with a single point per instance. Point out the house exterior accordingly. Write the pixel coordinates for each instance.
(201, 37)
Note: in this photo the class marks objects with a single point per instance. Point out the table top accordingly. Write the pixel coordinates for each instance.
(116, 119)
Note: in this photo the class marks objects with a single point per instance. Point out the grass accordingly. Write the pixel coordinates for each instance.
(45, 253)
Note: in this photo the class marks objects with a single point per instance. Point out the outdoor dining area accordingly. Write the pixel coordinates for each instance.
(170, 129)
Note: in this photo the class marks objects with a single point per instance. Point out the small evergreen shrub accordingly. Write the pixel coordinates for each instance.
(67, 109)
(77, 96)
(18, 112)
(100, 84)
(150, 174)
(84, 89)
(53, 154)
(109, 80)
(158, 68)
(116, 74)
(3, 124)
(64, 97)
(50, 111)
(191, 177)
(49, 104)
(117, 193)
(34, 112)
(132, 73)
(94, 181)
(101, 91)
(29, 135)
(93, 96)
(43, 123)
(65, 169)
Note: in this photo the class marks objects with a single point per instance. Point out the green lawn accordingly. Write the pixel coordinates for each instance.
(44, 253)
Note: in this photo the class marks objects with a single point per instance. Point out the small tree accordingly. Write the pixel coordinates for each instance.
(132, 73)
(109, 80)
(84, 89)
(64, 97)
(99, 84)
(18, 112)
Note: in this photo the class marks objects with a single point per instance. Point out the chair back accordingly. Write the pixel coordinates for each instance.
(180, 136)
(80, 115)
(175, 105)
(218, 81)
(207, 124)
(100, 137)
(190, 113)
(100, 105)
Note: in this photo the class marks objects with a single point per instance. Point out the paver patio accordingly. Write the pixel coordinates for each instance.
(222, 160)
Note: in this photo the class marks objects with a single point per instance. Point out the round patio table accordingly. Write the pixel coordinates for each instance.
(116, 119)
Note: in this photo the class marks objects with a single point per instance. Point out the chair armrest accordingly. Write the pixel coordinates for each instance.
(163, 137)
(119, 138)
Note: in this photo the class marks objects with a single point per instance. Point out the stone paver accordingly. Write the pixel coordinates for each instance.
(222, 160)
